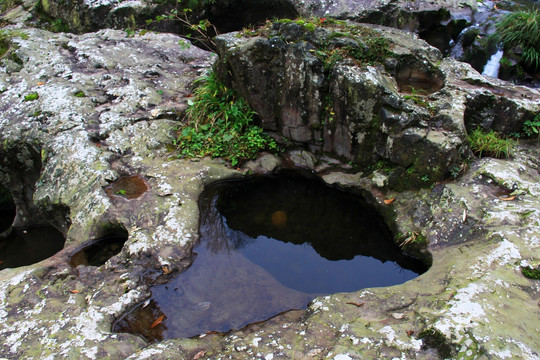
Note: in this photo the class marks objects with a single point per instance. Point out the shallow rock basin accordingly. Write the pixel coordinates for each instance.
(97, 252)
(271, 244)
(129, 187)
(26, 246)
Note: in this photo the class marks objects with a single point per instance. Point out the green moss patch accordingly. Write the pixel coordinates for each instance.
(531, 273)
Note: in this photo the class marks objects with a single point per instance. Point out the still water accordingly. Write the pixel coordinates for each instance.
(270, 244)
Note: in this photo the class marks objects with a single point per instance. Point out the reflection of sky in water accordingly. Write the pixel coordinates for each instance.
(300, 267)
(242, 274)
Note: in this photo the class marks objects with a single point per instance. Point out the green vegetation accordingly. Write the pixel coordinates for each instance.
(532, 127)
(7, 47)
(434, 339)
(531, 273)
(31, 97)
(8, 4)
(79, 94)
(522, 30)
(202, 32)
(490, 144)
(220, 124)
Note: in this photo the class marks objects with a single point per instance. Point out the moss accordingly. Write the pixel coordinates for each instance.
(79, 94)
(434, 339)
(531, 273)
(31, 97)
(45, 5)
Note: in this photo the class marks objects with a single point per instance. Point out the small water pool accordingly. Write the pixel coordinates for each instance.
(271, 244)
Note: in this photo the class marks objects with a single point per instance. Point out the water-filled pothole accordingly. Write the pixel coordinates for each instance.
(270, 244)
(97, 252)
(7, 209)
(129, 187)
(26, 246)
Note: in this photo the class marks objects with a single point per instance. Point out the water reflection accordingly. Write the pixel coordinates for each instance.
(271, 244)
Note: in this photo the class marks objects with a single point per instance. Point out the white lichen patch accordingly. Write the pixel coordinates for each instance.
(392, 339)
(504, 253)
(463, 311)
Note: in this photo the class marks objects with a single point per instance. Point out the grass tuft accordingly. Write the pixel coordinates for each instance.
(522, 30)
(220, 124)
(490, 144)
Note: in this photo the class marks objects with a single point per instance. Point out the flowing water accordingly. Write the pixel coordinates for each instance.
(493, 64)
(270, 244)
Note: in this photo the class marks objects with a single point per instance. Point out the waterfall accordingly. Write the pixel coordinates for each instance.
(492, 66)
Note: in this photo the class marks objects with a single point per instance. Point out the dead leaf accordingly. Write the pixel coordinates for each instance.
(165, 269)
(40, 83)
(158, 321)
(389, 201)
(74, 291)
(509, 198)
(199, 355)
(410, 332)
(356, 304)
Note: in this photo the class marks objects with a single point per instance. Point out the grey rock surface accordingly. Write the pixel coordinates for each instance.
(107, 106)
(408, 112)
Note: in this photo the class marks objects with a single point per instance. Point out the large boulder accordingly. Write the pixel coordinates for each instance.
(376, 96)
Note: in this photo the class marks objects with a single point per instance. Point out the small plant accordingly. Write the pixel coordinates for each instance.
(490, 144)
(434, 339)
(202, 31)
(79, 94)
(220, 124)
(31, 97)
(532, 127)
(531, 273)
(522, 30)
(121, 192)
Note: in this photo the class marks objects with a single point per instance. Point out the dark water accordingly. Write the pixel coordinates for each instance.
(98, 252)
(271, 244)
(7, 214)
(20, 247)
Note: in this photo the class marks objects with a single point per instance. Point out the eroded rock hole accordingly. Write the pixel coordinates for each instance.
(29, 245)
(129, 187)
(270, 244)
(7, 209)
(97, 252)
(419, 79)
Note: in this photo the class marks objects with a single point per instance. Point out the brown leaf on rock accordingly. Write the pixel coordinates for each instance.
(356, 304)
(199, 355)
(508, 198)
(158, 321)
(389, 201)
(410, 332)
(74, 291)
(165, 269)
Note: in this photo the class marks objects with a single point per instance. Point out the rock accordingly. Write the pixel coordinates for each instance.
(60, 149)
(409, 115)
